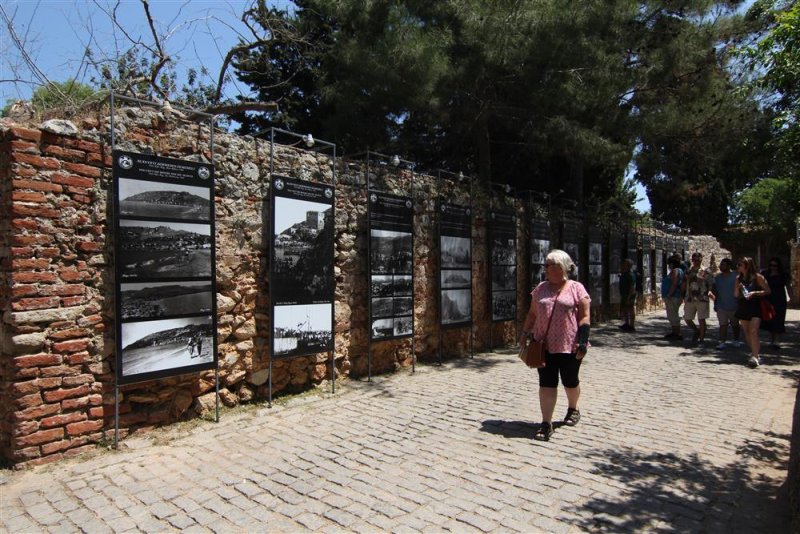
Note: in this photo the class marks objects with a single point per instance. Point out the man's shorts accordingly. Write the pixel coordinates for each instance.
(690, 309)
(726, 316)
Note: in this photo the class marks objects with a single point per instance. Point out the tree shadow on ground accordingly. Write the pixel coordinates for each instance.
(669, 492)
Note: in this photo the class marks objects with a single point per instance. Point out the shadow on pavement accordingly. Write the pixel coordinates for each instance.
(686, 494)
(513, 429)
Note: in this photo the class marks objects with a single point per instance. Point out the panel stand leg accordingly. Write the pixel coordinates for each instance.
(471, 341)
(116, 417)
(491, 337)
(269, 387)
(216, 389)
(413, 357)
(369, 364)
(439, 351)
(333, 373)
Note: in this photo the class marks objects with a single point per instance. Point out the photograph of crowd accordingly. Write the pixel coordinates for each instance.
(141, 198)
(149, 300)
(392, 328)
(390, 251)
(159, 249)
(504, 278)
(385, 285)
(456, 252)
(302, 271)
(302, 329)
(456, 306)
(504, 305)
(504, 251)
(456, 278)
(170, 344)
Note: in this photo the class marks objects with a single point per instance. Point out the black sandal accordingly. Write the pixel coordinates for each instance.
(572, 417)
(544, 432)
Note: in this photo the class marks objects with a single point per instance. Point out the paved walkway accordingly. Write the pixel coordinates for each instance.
(672, 439)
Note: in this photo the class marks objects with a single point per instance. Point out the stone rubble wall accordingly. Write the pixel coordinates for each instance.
(57, 286)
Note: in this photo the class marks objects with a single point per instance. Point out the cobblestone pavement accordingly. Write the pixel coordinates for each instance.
(672, 439)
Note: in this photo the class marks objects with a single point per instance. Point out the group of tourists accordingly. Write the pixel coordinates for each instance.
(745, 300)
(559, 316)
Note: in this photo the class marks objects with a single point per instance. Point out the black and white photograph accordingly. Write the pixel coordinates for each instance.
(456, 278)
(302, 329)
(614, 296)
(573, 249)
(383, 307)
(504, 278)
(403, 306)
(647, 272)
(161, 200)
(596, 284)
(615, 254)
(382, 329)
(403, 326)
(151, 300)
(161, 249)
(539, 250)
(504, 305)
(537, 274)
(504, 251)
(456, 306)
(302, 271)
(456, 252)
(391, 252)
(165, 346)
(595, 253)
(502, 238)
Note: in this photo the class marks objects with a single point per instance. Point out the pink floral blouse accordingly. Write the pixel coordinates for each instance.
(564, 326)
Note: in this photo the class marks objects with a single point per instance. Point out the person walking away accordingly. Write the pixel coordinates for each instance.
(560, 307)
(749, 289)
(780, 285)
(696, 288)
(671, 293)
(725, 303)
(627, 291)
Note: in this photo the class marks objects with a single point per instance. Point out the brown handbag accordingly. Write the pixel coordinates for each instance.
(531, 352)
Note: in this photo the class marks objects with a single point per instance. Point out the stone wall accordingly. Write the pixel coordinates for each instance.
(57, 287)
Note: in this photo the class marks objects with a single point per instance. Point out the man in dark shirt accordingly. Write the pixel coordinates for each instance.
(627, 290)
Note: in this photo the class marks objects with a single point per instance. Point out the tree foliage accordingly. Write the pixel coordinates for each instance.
(57, 95)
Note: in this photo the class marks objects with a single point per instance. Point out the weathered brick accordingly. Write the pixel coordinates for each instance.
(77, 451)
(26, 133)
(37, 360)
(73, 345)
(23, 210)
(69, 333)
(78, 357)
(22, 252)
(35, 303)
(27, 277)
(78, 380)
(89, 246)
(75, 429)
(71, 179)
(28, 196)
(25, 224)
(48, 383)
(73, 404)
(62, 419)
(24, 146)
(63, 153)
(31, 239)
(97, 412)
(27, 453)
(63, 290)
(48, 252)
(68, 274)
(36, 412)
(58, 370)
(82, 144)
(22, 389)
(58, 446)
(29, 264)
(44, 460)
(60, 394)
(29, 401)
(36, 161)
(37, 185)
(23, 171)
(80, 168)
(81, 198)
(24, 290)
(68, 302)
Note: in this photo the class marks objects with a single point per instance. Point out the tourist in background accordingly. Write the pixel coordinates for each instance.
(696, 290)
(779, 285)
(725, 303)
(559, 316)
(749, 289)
(671, 293)
(627, 293)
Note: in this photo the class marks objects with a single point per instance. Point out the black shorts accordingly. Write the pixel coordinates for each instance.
(747, 309)
(565, 364)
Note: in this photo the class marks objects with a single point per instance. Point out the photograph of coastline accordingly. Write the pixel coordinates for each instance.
(143, 198)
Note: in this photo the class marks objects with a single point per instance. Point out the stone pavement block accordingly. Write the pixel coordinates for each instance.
(311, 521)
(181, 521)
(123, 524)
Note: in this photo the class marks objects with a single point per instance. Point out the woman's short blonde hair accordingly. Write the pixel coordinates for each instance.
(562, 259)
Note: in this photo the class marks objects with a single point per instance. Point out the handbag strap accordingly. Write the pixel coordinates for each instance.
(553, 311)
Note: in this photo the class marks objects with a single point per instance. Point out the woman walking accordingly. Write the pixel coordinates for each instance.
(779, 282)
(559, 316)
(750, 288)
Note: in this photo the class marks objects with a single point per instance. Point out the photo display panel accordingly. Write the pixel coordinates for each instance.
(615, 253)
(647, 266)
(391, 266)
(455, 265)
(596, 279)
(503, 265)
(540, 246)
(302, 280)
(164, 266)
(659, 262)
(571, 237)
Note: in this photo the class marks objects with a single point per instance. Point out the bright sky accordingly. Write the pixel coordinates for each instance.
(57, 33)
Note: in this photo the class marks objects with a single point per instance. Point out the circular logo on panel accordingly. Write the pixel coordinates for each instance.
(204, 173)
(494, 215)
(279, 184)
(125, 161)
(328, 192)
(467, 211)
(444, 208)
(408, 204)
(373, 197)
